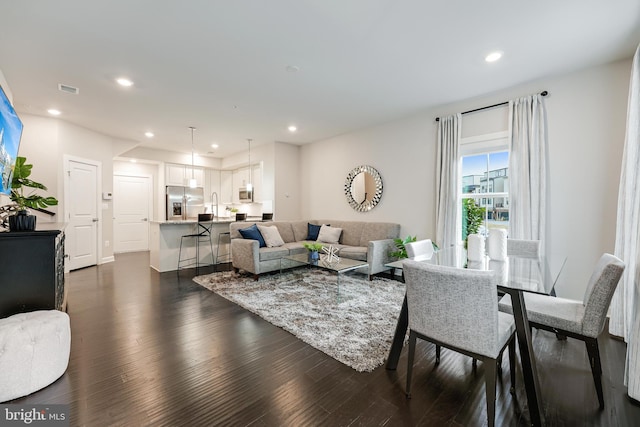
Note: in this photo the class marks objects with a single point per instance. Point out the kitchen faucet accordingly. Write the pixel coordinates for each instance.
(216, 194)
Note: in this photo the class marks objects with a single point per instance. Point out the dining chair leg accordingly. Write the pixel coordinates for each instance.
(490, 389)
(438, 350)
(596, 368)
(512, 364)
(412, 352)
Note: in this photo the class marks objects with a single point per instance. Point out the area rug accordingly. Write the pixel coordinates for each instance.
(355, 328)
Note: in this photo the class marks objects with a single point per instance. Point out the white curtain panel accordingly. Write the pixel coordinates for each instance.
(528, 184)
(625, 319)
(448, 210)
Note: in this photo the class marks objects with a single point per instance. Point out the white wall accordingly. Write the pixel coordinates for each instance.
(586, 114)
(285, 182)
(398, 151)
(45, 142)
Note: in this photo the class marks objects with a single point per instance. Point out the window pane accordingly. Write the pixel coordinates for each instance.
(499, 172)
(498, 213)
(483, 174)
(474, 170)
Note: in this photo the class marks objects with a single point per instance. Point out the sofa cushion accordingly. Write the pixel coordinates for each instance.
(285, 230)
(354, 252)
(271, 236)
(329, 234)
(378, 231)
(253, 233)
(299, 230)
(295, 248)
(268, 254)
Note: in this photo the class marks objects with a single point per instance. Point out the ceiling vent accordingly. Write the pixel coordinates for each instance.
(68, 89)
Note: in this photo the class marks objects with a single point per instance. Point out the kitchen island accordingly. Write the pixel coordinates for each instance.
(164, 241)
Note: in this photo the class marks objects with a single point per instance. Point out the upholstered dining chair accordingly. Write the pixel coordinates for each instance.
(419, 250)
(583, 320)
(527, 248)
(457, 308)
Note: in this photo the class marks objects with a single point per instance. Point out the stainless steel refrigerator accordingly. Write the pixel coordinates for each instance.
(184, 202)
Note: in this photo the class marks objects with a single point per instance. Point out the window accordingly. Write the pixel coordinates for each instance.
(485, 184)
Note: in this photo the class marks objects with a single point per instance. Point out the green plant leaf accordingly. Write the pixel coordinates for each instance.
(402, 251)
(20, 181)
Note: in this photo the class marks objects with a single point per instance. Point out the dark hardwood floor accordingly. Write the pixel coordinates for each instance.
(157, 349)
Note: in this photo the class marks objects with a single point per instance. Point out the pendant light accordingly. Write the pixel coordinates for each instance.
(192, 180)
(249, 185)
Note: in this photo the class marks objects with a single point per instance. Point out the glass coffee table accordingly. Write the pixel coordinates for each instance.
(342, 266)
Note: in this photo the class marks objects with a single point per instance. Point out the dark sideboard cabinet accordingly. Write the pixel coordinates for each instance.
(32, 271)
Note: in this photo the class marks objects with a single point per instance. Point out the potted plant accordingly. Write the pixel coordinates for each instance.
(24, 198)
(314, 250)
(472, 218)
(401, 251)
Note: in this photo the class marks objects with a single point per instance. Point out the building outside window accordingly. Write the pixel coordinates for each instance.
(485, 186)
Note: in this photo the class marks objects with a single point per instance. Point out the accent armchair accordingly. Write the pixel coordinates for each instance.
(457, 309)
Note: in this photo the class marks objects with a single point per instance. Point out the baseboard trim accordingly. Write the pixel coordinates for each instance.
(107, 259)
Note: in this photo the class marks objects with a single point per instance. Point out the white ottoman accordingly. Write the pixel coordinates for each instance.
(34, 351)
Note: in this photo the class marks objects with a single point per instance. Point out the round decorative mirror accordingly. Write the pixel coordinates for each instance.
(363, 188)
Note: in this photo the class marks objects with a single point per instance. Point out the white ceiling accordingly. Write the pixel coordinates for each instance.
(221, 65)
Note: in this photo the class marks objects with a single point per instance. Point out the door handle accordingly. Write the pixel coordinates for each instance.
(145, 219)
(94, 220)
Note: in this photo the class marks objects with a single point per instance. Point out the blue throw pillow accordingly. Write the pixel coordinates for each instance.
(253, 233)
(313, 231)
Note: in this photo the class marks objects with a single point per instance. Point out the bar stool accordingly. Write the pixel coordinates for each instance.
(267, 216)
(225, 236)
(203, 234)
(241, 216)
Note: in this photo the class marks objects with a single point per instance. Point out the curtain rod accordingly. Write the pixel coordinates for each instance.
(543, 93)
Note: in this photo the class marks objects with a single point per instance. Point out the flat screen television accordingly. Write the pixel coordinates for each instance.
(10, 133)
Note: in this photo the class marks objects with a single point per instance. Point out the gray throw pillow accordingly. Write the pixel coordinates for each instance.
(271, 236)
(329, 234)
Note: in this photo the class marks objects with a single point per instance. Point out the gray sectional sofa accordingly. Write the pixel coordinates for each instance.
(366, 241)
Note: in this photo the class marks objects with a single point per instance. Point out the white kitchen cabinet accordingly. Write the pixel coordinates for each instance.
(179, 174)
(240, 179)
(174, 174)
(198, 174)
(226, 187)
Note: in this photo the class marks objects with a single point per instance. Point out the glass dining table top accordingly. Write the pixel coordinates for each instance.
(531, 274)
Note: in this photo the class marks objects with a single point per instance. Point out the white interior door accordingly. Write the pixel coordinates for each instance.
(82, 206)
(131, 199)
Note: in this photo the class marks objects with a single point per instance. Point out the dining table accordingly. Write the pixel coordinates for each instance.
(515, 275)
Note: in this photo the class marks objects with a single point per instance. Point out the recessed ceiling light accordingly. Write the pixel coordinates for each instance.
(292, 128)
(493, 56)
(149, 134)
(123, 81)
(214, 145)
(133, 161)
(54, 112)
